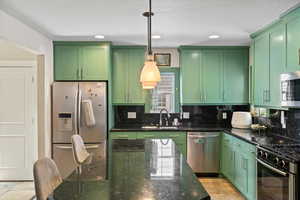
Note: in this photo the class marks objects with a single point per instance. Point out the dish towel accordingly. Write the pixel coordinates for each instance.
(88, 113)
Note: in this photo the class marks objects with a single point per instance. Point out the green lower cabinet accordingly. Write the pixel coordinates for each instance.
(178, 137)
(123, 135)
(238, 164)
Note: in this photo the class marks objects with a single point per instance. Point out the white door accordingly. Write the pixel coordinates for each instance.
(17, 123)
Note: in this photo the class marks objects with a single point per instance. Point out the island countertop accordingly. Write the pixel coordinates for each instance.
(151, 169)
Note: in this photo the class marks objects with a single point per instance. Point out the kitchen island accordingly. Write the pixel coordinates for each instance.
(142, 169)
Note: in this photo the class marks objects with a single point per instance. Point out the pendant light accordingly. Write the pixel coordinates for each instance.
(150, 74)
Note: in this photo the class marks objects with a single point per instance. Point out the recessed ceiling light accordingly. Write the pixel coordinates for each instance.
(156, 37)
(99, 36)
(213, 36)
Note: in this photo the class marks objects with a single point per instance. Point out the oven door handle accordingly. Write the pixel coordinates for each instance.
(272, 168)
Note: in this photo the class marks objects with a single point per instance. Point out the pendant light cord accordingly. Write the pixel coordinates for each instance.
(150, 29)
(149, 15)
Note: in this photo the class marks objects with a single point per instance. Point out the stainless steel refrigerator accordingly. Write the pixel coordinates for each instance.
(79, 108)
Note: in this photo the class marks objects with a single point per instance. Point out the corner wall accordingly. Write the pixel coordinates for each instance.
(13, 30)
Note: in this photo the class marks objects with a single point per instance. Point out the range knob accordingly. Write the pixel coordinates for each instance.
(266, 155)
(282, 163)
(261, 153)
(276, 160)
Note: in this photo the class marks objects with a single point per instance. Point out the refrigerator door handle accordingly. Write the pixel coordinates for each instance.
(92, 146)
(64, 147)
(76, 112)
(79, 108)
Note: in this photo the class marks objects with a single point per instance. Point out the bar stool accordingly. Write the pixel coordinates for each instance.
(46, 178)
(81, 155)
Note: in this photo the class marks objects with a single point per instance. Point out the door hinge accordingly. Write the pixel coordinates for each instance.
(32, 79)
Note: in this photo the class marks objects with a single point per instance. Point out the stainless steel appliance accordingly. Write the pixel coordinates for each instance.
(290, 89)
(203, 153)
(277, 174)
(79, 108)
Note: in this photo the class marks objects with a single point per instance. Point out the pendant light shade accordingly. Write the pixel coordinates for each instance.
(150, 74)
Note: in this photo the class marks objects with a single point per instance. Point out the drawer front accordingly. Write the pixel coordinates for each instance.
(123, 135)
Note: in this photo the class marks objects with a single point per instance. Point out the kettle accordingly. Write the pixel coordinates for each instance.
(241, 120)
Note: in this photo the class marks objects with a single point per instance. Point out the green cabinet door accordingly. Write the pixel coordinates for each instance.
(251, 194)
(228, 157)
(127, 65)
(261, 63)
(293, 44)
(120, 76)
(66, 62)
(212, 77)
(94, 61)
(190, 77)
(135, 64)
(235, 77)
(241, 166)
(277, 62)
(251, 73)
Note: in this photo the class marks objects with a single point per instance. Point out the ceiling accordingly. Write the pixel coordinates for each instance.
(179, 22)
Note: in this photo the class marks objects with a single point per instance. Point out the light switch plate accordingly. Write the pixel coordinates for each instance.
(186, 115)
(131, 115)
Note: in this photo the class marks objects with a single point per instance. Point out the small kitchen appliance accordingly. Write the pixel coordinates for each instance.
(241, 120)
(290, 89)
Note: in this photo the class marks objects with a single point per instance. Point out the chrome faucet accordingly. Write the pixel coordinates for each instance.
(160, 117)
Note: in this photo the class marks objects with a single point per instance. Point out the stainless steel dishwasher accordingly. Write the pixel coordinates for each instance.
(203, 153)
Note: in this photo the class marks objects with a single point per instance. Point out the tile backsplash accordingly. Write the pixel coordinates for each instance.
(286, 123)
(191, 116)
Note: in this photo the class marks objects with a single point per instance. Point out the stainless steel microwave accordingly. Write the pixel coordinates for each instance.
(290, 89)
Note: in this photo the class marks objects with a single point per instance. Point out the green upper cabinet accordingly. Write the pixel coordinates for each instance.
(214, 75)
(94, 62)
(293, 44)
(276, 51)
(236, 76)
(261, 64)
(66, 62)
(127, 65)
(190, 77)
(277, 63)
(81, 61)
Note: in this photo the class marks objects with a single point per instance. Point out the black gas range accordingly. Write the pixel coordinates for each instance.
(278, 164)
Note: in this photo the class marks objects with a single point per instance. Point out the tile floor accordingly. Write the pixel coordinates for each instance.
(220, 189)
(16, 190)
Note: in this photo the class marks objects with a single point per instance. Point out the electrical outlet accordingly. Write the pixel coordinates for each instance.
(224, 115)
(186, 115)
(131, 115)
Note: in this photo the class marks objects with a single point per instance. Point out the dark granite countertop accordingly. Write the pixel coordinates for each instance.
(139, 169)
(180, 128)
(247, 135)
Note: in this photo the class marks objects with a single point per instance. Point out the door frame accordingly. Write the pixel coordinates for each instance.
(36, 106)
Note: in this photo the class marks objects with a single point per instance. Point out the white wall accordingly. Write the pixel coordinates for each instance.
(10, 52)
(24, 36)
